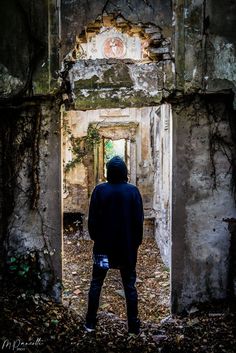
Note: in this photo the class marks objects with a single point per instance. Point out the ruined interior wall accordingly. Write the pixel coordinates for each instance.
(29, 47)
(106, 83)
(202, 198)
(205, 63)
(32, 195)
(220, 60)
(29, 33)
(163, 180)
(77, 14)
(98, 77)
(205, 45)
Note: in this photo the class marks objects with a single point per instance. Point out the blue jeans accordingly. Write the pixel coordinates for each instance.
(128, 279)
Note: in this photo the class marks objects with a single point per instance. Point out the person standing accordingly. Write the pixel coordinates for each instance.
(115, 224)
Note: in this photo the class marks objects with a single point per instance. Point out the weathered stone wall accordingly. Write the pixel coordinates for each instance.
(32, 194)
(29, 47)
(163, 181)
(30, 141)
(204, 58)
(78, 14)
(202, 197)
(115, 63)
(220, 46)
(205, 45)
(116, 83)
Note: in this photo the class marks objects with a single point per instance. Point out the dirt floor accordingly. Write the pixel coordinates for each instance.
(152, 281)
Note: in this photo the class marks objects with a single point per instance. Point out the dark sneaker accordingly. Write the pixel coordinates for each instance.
(134, 333)
(134, 328)
(90, 327)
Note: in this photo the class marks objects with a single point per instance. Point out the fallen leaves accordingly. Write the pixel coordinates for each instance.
(49, 327)
(35, 318)
(77, 292)
(152, 280)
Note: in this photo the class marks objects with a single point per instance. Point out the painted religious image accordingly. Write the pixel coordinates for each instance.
(114, 48)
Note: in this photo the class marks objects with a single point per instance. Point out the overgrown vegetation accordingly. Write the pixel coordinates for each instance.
(80, 146)
(24, 269)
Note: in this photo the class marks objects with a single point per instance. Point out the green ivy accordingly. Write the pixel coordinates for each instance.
(81, 146)
(23, 266)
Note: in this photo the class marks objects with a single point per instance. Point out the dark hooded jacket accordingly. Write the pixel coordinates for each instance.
(116, 217)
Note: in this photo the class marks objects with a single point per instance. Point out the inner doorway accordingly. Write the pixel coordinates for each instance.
(114, 148)
(142, 138)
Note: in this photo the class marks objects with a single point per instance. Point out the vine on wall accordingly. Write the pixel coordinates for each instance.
(20, 139)
(80, 146)
(219, 142)
(20, 134)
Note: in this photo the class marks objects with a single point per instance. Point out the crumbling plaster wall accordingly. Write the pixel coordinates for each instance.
(30, 142)
(76, 15)
(115, 63)
(221, 46)
(204, 58)
(205, 45)
(114, 83)
(29, 47)
(33, 223)
(202, 198)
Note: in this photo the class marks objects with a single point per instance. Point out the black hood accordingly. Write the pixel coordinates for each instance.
(116, 170)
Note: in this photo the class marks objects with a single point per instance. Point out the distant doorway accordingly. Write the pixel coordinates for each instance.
(119, 148)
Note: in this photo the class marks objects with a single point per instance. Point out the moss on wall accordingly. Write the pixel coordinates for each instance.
(116, 76)
(97, 99)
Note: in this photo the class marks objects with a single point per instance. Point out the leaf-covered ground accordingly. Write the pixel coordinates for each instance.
(152, 281)
(33, 323)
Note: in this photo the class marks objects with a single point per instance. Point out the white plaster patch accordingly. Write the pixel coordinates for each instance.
(224, 60)
(194, 72)
(8, 83)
